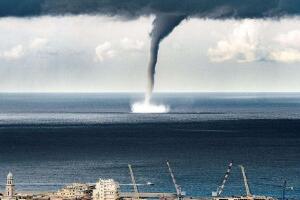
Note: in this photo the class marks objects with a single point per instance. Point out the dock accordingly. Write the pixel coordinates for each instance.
(109, 189)
(147, 195)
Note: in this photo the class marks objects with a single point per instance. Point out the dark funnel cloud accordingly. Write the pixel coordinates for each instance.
(169, 13)
(163, 25)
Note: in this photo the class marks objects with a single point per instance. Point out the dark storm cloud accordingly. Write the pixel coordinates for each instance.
(135, 8)
(169, 13)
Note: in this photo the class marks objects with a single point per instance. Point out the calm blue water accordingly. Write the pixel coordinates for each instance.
(49, 140)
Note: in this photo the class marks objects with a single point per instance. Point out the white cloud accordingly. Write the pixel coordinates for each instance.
(285, 56)
(129, 44)
(38, 43)
(289, 51)
(14, 53)
(104, 51)
(242, 45)
(20, 51)
(189, 65)
(247, 44)
(291, 38)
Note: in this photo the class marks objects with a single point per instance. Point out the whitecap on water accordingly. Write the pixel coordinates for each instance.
(147, 107)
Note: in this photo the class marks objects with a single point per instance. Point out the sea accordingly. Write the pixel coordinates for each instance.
(49, 140)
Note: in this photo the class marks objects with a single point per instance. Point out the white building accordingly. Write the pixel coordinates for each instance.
(106, 189)
(76, 190)
(10, 193)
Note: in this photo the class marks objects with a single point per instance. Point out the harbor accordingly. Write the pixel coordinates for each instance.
(150, 100)
(110, 189)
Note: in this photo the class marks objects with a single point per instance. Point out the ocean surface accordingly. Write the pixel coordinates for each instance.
(50, 140)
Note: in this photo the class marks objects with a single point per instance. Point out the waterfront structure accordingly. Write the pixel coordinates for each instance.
(244, 198)
(75, 191)
(248, 196)
(106, 189)
(10, 188)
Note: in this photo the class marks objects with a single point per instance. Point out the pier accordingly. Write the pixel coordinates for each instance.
(148, 195)
(109, 189)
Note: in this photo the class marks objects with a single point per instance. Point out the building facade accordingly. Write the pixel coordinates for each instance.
(10, 193)
(74, 191)
(106, 189)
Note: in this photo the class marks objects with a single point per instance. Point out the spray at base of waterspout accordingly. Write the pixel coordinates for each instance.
(147, 107)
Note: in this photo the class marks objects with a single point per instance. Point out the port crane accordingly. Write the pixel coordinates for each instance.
(248, 193)
(179, 192)
(135, 188)
(285, 188)
(221, 188)
(248, 196)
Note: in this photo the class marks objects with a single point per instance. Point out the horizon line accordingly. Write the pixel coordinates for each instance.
(139, 92)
